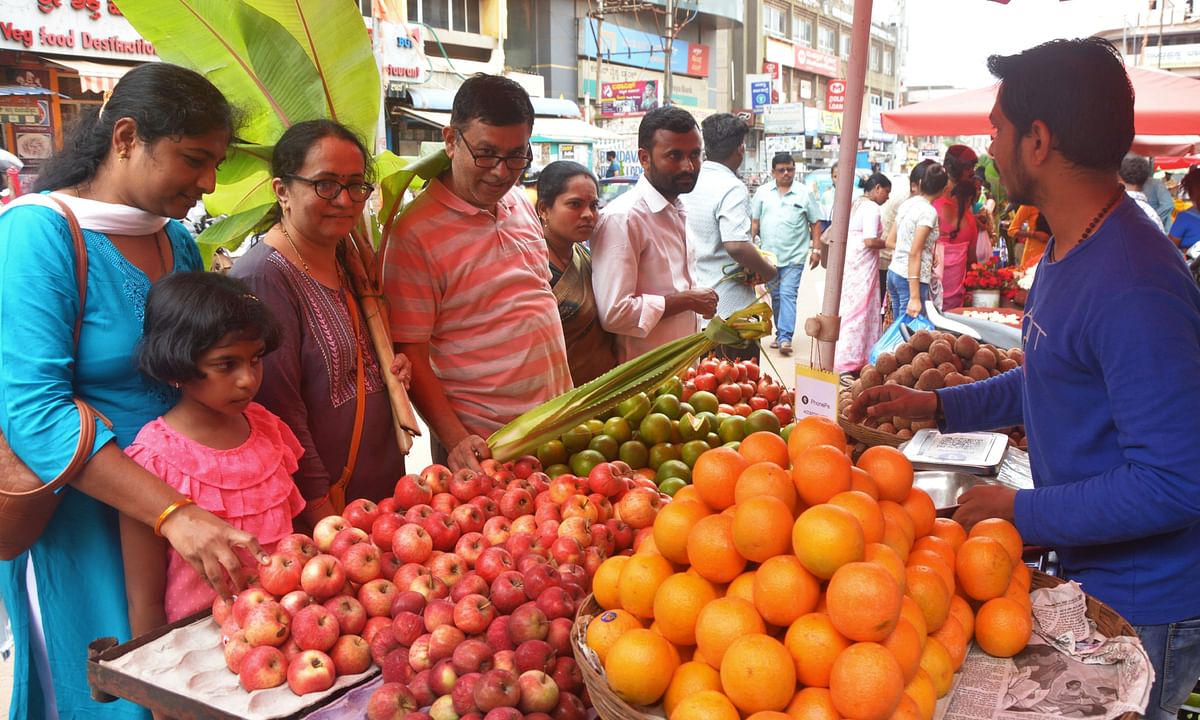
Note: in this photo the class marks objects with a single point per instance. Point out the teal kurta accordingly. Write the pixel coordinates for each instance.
(77, 560)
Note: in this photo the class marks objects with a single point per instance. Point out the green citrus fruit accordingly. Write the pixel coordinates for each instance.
(786, 430)
(713, 440)
(761, 420)
(663, 452)
(619, 429)
(692, 427)
(674, 468)
(555, 470)
(732, 428)
(552, 453)
(634, 454)
(595, 426)
(667, 405)
(654, 428)
(691, 451)
(634, 408)
(685, 408)
(674, 386)
(670, 486)
(606, 446)
(703, 401)
(583, 461)
(733, 444)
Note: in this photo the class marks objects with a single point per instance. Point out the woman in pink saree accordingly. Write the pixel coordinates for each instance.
(956, 217)
(860, 307)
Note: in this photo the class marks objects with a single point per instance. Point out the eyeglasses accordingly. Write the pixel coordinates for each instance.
(512, 162)
(789, 169)
(330, 189)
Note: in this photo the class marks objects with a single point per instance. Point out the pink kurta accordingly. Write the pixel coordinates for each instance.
(953, 247)
(249, 486)
(860, 304)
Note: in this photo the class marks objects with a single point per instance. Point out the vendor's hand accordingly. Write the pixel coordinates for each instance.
(913, 308)
(892, 399)
(704, 301)
(982, 502)
(209, 544)
(402, 368)
(467, 453)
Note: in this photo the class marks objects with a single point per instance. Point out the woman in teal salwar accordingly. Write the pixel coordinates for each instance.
(146, 157)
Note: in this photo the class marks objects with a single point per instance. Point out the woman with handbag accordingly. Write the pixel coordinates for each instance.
(324, 380)
(145, 157)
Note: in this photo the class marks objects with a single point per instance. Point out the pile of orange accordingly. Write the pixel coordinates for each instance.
(791, 583)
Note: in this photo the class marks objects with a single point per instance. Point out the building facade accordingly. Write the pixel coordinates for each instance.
(1165, 37)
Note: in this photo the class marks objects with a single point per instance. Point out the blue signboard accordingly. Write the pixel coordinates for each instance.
(626, 46)
(760, 95)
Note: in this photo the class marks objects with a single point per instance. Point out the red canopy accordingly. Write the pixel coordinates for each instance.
(1165, 104)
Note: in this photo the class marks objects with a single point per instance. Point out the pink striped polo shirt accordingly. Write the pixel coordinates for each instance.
(476, 287)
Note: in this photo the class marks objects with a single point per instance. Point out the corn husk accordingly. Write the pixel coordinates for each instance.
(642, 374)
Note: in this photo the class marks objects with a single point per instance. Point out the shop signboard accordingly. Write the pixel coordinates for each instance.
(758, 87)
(835, 96)
(402, 49)
(628, 46)
(815, 61)
(783, 119)
(82, 28)
(771, 68)
(633, 97)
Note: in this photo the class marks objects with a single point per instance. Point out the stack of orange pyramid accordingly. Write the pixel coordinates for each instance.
(788, 583)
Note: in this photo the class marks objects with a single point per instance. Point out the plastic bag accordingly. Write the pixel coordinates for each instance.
(899, 331)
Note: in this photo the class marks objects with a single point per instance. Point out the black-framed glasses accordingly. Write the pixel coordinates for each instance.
(330, 189)
(512, 162)
(785, 169)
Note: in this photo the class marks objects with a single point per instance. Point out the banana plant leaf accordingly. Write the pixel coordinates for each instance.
(229, 232)
(243, 180)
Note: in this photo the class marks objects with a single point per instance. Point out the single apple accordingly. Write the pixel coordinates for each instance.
(580, 506)
(373, 626)
(496, 688)
(408, 572)
(492, 562)
(508, 592)
(573, 574)
(528, 622)
(466, 484)
(470, 584)
(503, 713)
(247, 600)
(444, 503)
(497, 529)
(418, 685)
(362, 562)
(407, 627)
(376, 597)
(486, 505)
(538, 578)
(526, 465)
(350, 614)
(443, 709)
(570, 707)
(547, 532)
(351, 655)
(417, 513)
(463, 694)
(438, 477)
(442, 530)
(473, 614)
(472, 655)
(535, 655)
(438, 612)
(639, 507)
(443, 640)
(391, 701)
(561, 488)
(235, 649)
(293, 601)
(396, 666)
(345, 539)
(222, 610)
(515, 503)
(539, 692)
(310, 671)
(497, 634)
(382, 643)
(267, 624)
(469, 517)
(407, 600)
(323, 577)
(442, 677)
(505, 660)
(449, 568)
(262, 667)
(384, 527)
(412, 490)
(361, 513)
(521, 544)
(430, 587)
(567, 674)
(298, 544)
(538, 556)
(566, 548)
(524, 525)
(559, 635)
(418, 654)
(315, 628)
(621, 532)
(327, 529)
(604, 480)
(388, 563)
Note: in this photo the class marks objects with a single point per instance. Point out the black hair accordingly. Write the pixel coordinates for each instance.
(871, 182)
(918, 172)
(1191, 179)
(782, 158)
(492, 100)
(297, 142)
(1079, 89)
(611, 154)
(1135, 170)
(959, 159)
(935, 179)
(554, 178)
(166, 101)
(668, 117)
(188, 313)
(723, 134)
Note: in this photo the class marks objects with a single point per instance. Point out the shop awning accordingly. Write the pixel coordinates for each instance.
(544, 129)
(95, 77)
(9, 90)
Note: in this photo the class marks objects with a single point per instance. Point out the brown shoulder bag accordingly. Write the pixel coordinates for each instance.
(26, 503)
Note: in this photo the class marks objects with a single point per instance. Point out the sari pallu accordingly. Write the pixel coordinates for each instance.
(590, 349)
(953, 246)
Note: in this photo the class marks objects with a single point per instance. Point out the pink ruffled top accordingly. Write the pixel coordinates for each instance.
(249, 486)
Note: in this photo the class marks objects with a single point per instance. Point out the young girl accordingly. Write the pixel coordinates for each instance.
(206, 335)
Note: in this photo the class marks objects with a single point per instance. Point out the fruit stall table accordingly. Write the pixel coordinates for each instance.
(999, 326)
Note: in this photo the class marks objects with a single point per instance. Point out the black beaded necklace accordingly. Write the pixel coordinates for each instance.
(1095, 223)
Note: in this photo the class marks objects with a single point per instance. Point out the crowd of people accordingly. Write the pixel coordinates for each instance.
(247, 406)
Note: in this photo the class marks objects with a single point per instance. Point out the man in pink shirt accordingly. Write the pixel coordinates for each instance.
(642, 269)
(467, 274)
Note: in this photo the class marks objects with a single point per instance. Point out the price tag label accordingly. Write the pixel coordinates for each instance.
(816, 392)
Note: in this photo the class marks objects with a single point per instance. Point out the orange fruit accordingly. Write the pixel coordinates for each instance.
(864, 601)
(930, 559)
(898, 530)
(862, 481)
(705, 705)
(812, 430)
(605, 628)
(906, 646)
(769, 715)
(688, 493)
(784, 590)
(887, 558)
(866, 682)
(954, 638)
(1022, 576)
(742, 587)
(983, 567)
(605, 582)
(937, 663)
(944, 528)
(820, 472)
(721, 622)
(678, 603)
(1003, 531)
(935, 544)
(906, 709)
(911, 611)
(764, 446)
(814, 644)
(640, 665)
(689, 679)
(929, 591)
(640, 579)
(920, 689)
(1003, 627)
(1019, 595)
(765, 478)
(762, 527)
(825, 537)
(921, 509)
(962, 612)
(757, 673)
(675, 520)
(711, 551)
(891, 471)
(863, 507)
(813, 703)
(715, 476)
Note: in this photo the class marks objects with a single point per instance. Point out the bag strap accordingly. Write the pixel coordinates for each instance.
(87, 414)
(337, 492)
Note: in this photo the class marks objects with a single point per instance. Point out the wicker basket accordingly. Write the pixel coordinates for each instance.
(606, 702)
(1108, 621)
(865, 435)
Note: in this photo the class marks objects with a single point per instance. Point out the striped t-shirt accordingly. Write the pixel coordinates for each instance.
(476, 287)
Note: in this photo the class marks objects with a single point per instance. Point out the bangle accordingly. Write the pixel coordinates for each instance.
(162, 518)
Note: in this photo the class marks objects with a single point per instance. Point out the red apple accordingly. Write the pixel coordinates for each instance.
(573, 574)
(297, 544)
(579, 506)
(570, 707)
(556, 602)
(417, 513)
(430, 587)
(412, 490)
(496, 688)
(418, 685)
(408, 572)
(323, 577)
(442, 530)
(516, 503)
(261, 668)
(497, 634)
(361, 513)
(362, 562)
(411, 543)
(508, 591)
(466, 484)
(247, 600)
(535, 655)
(538, 578)
(290, 649)
(396, 666)
(236, 647)
(407, 600)
(373, 626)
(492, 562)
(539, 692)
(547, 532)
(502, 713)
(524, 525)
(526, 465)
(345, 539)
(470, 584)
(449, 568)
(391, 701)
(473, 614)
(542, 557)
(470, 545)
(407, 627)
(350, 614)
(385, 527)
(567, 674)
(310, 671)
(315, 628)
(387, 505)
(559, 635)
(267, 624)
(463, 694)
(388, 563)
(437, 613)
(472, 655)
(438, 477)
(528, 622)
(566, 549)
(418, 653)
(327, 529)
(593, 557)
(222, 609)
(601, 537)
(622, 533)
(561, 488)
(496, 530)
(639, 507)
(442, 677)
(383, 643)
(444, 502)
(443, 640)
(376, 597)
(505, 660)
(351, 655)
(522, 544)
(469, 517)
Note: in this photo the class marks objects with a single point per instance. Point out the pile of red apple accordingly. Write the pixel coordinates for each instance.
(740, 386)
(462, 587)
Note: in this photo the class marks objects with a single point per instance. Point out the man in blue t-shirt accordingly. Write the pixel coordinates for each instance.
(1110, 387)
(614, 168)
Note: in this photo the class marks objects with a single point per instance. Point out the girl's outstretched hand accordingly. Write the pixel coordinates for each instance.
(210, 544)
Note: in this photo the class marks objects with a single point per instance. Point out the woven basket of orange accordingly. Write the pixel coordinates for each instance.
(789, 581)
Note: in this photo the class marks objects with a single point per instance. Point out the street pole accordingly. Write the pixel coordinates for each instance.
(668, 48)
(599, 57)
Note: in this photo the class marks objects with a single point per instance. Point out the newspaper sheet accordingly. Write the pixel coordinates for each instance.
(1069, 670)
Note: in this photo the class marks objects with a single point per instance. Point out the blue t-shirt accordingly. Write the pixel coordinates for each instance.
(1187, 228)
(1108, 394)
